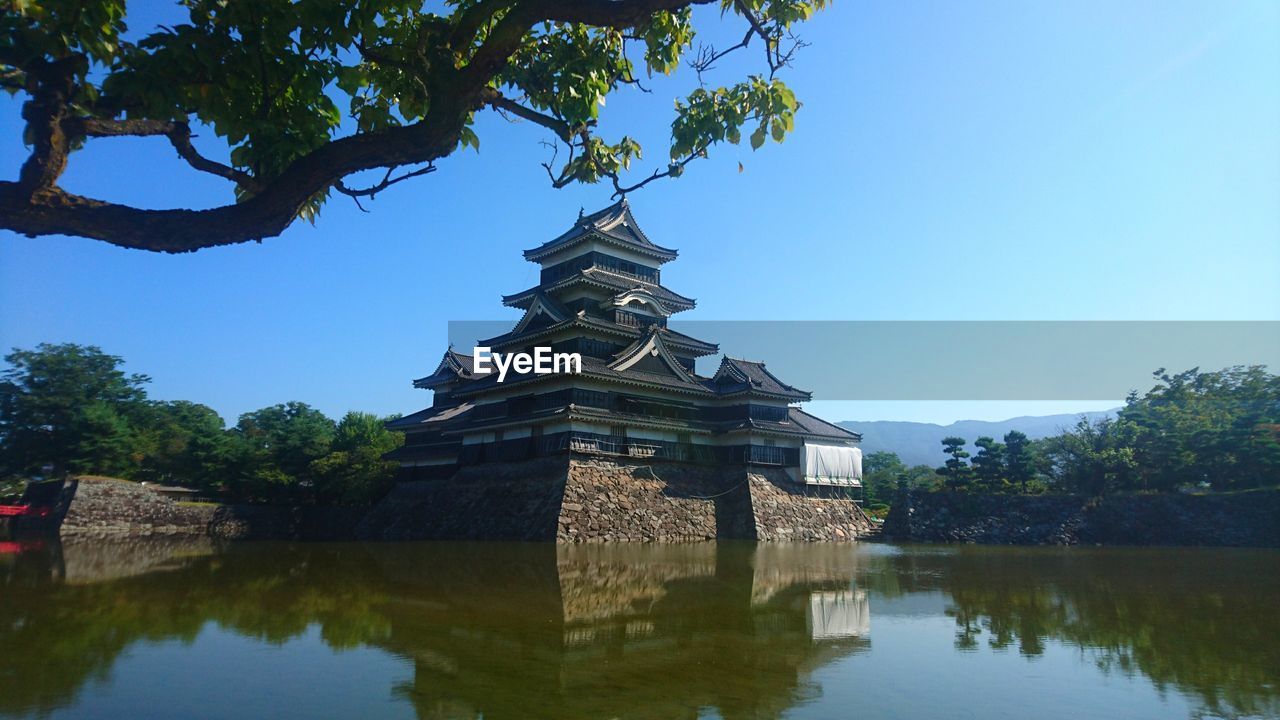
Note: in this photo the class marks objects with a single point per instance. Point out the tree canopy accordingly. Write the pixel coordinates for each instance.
(308, 92)
(1194, 431)
(71, 406)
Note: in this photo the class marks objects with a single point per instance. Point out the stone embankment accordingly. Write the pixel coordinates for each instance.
(110, 508)
(1248, 519)
(586, 499)
(563, 499)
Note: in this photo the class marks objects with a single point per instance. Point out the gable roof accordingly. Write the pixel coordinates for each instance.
(541, 304)
(453, 366)
(745, 376)
(613, 224)
(651, 344)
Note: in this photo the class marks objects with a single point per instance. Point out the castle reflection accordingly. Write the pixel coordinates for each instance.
(654, 631)
(492, 630)
(730, 630)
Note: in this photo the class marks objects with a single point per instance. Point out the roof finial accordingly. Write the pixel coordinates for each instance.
(582, 212)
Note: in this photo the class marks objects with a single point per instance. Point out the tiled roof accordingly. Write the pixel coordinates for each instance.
(736, 376)
(814, 425)
(454, 365)
(429, 416)
(613, 223)
(612, 281)
(798, 422)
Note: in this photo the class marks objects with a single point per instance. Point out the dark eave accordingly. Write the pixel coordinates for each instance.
(614, 224)
(429, 418)
(798, 422)
(737, 376)
(601, 278)
(688, 344)
(593, 368)
(453, 366)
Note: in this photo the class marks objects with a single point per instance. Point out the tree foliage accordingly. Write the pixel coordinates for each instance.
(305, 93)
(955, 471)
(70, 406)
(989, 464)
(882, 472)
(1193, 431)
(73, 407)
(1221, 427)
(354, 472)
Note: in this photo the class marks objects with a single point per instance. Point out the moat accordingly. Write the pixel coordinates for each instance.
(188, 628)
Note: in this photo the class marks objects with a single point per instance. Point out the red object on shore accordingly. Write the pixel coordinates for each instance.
(13, 547)
(25, 511)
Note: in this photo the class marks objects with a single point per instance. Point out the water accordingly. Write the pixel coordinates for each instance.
(496, 631)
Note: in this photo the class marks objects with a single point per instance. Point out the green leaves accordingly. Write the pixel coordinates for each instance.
(279, 80)
(568, 70)
(666, 37)
(708, 117)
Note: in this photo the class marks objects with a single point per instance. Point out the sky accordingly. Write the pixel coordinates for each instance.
(951, 161)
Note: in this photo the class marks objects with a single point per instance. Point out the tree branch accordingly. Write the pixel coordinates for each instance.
(498, 101)
(35, 205)
(180, 138)
(386, 182)
(179, 134)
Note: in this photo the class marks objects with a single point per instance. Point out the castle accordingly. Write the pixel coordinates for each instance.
(636, 400)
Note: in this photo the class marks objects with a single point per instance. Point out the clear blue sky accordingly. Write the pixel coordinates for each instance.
(995, 160)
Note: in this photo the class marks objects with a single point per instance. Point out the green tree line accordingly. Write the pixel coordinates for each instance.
(1194, 430)
(74, 407)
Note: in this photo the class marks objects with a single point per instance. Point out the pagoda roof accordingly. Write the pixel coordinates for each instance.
(607, 280)
(614, 224)
(675, 339)
(745, 376)
(453, 366)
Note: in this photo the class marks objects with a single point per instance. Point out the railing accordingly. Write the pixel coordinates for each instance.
(770, 455)
(524, 405)
(619, 446)
(594, 444)
(603, 262)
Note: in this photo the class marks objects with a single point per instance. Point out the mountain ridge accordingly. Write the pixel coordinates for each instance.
(917, 443)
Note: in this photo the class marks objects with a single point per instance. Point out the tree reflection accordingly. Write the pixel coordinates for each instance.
(1201, 621)
(513, 631)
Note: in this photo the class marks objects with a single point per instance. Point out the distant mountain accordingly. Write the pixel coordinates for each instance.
(921, 443)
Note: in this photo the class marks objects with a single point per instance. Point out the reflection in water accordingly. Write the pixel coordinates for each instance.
(838, 614)
(653, 631)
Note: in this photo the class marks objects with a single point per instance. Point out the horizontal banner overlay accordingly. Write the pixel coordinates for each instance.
(969, 360)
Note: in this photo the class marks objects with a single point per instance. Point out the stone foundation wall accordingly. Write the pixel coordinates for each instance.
(582, 499)
(620, 501)
(785, 510)
(494, 501)
(105, 507)
(1248, 519)
(109, 508)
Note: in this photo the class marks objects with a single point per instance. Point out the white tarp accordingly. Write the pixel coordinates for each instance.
(831, 464)
(838, 614)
